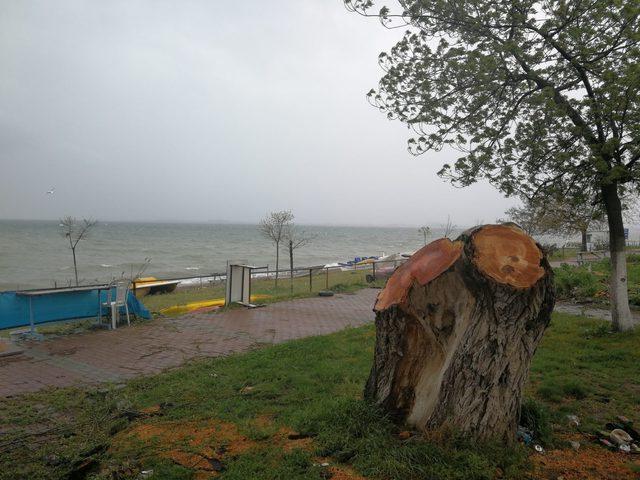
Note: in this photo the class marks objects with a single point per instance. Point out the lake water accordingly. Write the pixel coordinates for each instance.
(35, 254)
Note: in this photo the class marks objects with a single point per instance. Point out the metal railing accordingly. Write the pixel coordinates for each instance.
(316, 276)
(377, 268)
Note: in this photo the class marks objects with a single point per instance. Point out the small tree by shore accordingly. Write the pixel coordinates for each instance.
(425, 231)
(295, 239)
(75, 230)
(449, 228)
(273, 227)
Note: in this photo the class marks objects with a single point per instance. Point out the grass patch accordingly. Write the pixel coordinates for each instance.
(592, 376)
(242, 409)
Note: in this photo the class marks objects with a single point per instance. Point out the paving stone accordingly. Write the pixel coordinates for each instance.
(148, 348)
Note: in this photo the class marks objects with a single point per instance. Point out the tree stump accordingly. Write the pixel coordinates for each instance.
(456, 328)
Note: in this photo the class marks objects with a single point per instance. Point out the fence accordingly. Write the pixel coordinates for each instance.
(327, 277)
(295, 281)
(208, 290)
(298, 281)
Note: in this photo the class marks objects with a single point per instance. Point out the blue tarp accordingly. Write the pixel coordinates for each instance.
(14, 308)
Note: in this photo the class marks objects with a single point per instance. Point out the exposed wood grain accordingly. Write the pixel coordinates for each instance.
(456, 329)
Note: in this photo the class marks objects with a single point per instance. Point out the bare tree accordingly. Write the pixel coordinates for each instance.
(75, 230)
(295, 239)
(140, 268)
(449, 227)
(273, 227)
(558, 215)
(425, 231)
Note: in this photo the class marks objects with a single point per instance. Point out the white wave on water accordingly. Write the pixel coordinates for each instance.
(177, 249)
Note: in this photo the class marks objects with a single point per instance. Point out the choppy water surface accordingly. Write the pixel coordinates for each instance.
(35, 254)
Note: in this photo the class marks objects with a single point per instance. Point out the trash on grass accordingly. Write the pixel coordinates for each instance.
(524, 435)
(573, 420)
(620, 437)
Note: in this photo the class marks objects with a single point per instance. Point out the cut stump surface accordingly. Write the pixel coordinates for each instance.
(456, 327)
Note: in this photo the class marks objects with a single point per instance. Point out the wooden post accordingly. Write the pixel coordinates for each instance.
(310, 280)
(374, 270)
(326, 286)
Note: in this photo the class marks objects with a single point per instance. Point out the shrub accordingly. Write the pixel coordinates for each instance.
(634, 298)
(633, 258)
(573, 281)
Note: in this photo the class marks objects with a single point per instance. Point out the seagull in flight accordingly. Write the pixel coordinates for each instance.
(52, 191)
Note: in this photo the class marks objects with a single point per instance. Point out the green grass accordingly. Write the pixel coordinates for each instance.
(312, 386)
(591, 282)
(582, 368)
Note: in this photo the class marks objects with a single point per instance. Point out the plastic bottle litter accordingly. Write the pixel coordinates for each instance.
(573, 420)
(523, 435)
(620, 437)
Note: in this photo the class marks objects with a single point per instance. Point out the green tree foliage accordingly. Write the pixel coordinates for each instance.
(541, 97)
(557, 215)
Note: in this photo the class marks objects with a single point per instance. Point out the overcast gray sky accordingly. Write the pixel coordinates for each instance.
(205, 111)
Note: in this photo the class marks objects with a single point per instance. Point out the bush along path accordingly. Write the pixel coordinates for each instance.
(589, 283)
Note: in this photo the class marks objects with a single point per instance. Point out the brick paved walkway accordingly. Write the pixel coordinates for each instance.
(148, 348)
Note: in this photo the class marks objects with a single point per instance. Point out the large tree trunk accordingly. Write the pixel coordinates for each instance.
(583, 233)
(456, 327)
(618, 289)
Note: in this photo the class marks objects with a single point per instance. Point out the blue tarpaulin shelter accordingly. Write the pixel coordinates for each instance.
(52, 305)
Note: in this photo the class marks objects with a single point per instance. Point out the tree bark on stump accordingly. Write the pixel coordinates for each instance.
(456, 328)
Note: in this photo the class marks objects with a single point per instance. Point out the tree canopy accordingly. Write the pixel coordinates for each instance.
(539, 96)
